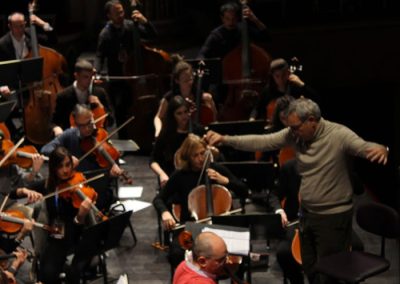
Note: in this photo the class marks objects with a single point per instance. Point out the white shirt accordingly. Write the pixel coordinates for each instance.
(21, 50)
(82, 96)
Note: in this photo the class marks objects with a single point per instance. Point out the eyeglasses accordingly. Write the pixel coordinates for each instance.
(84, 125)
(220, 260)
(297, 126)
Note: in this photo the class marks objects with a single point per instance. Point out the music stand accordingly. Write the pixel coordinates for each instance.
(5, 109)
(257, 175)
(16, 73)
(262, 226)
(104, 236)
(240, 127)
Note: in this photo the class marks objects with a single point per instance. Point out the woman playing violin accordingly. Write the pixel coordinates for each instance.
(67, 218)
(182, 85)
(191, 157)
(72, 139)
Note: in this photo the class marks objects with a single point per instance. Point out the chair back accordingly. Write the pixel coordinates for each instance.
(379, 219)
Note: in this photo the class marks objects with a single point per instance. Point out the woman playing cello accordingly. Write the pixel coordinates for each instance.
(69, 219)
(191, 157)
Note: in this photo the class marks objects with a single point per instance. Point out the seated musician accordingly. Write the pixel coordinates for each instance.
(14, 184)
(73, 139)
(191, 158)
(176, 128)
(64, 215)
(8, 270)
(182, 85)
(205, 261)
(281, 82)
(82, 91)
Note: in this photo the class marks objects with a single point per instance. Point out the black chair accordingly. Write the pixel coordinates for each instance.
(356, 266)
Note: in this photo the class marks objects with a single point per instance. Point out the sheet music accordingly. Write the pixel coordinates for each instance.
(125, 192)
(236, 242)
(135, 205)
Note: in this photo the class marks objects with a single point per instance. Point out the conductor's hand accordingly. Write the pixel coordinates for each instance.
(167, 220)
(378, 154)
(214, 138)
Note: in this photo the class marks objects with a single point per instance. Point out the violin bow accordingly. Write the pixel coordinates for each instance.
(105, 139)
(13, 149)
(4, 202)
(100, 118)
(73, 186)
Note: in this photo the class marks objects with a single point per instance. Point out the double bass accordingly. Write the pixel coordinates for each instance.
(245, 70)
(42, 99)
(151, 69)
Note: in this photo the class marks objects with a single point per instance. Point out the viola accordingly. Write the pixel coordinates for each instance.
(11, 221)
(77, 192)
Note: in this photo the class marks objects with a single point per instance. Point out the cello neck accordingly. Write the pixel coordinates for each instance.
(199, 90)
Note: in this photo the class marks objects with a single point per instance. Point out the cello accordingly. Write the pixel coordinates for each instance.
(42, 98)
(245, 70)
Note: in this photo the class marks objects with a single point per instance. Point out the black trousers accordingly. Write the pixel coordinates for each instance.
(322, 235)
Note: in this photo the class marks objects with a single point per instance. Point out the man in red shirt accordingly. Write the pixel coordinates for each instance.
(204, 263)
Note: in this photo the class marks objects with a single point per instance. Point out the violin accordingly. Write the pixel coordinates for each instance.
(11, 221)
(77, 192)
(22, 156)
(90, 142)
(105, 153)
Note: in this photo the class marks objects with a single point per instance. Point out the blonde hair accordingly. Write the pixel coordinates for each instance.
(189, 145)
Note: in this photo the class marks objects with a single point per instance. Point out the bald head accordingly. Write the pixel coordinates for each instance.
(208, 244)
(16, 23)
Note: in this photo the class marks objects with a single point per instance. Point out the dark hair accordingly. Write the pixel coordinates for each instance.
(83, 65)
(55, 159)
(231, 6)
(169, 128)
(110, 4)
(179, 66)
(282, 104)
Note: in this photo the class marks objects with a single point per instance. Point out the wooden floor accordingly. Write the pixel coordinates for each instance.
(144, 264)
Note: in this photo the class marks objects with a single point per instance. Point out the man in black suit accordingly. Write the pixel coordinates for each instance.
(16, 44)
(82, 91)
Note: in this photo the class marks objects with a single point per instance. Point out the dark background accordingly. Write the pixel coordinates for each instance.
(348, 48)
